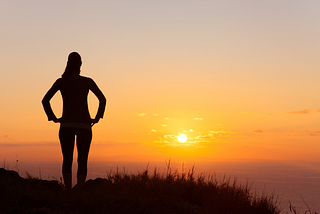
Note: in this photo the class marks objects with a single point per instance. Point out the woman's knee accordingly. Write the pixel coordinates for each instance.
(82, 169)
(66, 166)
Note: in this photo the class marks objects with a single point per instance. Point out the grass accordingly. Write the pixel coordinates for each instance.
(144, 192)
(308, 211)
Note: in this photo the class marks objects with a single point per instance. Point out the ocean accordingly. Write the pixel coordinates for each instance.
(294, 182)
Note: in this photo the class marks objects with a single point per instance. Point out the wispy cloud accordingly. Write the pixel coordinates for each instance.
(198, 118)
(213, 136)
(27, 144)
(155, 114)
(219, 132)
(164, 124)
(141, 114)
(204, 138)
(303, 111)
(169, 136)
(112, 144)
(170, 140)
(258, 131)
(303, 133)
(197, 141)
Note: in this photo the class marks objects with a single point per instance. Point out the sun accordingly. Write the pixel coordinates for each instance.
(182, 138)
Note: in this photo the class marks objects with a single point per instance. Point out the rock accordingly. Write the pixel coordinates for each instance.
(97, 183)
(10, 175)
(51, 185)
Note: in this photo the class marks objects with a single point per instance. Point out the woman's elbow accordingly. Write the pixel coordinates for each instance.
(103, 100)
(45, 101)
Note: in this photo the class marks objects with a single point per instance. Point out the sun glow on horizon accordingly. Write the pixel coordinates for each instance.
(182, 138)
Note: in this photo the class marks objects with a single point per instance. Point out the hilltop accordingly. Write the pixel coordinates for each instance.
(167, 193)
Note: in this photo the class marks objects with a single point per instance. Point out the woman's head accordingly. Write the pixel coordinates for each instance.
(73, 65)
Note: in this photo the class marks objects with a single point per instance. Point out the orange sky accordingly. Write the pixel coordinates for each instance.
(240, 79)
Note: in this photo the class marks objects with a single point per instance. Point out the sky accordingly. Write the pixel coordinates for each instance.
(238, 78)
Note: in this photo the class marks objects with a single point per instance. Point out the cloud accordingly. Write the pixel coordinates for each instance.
(304, 133)
(215, 135)
(141, 114)
(170, 140)
(155, 114)
(153, 130)
(217, 132)
(204, 137)
(27, 144)
(112, 143)
(194, 140)
(164, 124)
(258, 131)
(303, 111)
(167, 118)
(222, 133)
(198, 118)
(169, 136)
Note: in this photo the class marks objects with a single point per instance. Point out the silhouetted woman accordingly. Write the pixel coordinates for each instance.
(75, 120)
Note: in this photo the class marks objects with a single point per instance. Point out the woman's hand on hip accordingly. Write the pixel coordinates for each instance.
(57, 120)
(94, 121)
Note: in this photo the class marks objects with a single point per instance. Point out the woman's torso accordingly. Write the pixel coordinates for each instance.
(74, 91)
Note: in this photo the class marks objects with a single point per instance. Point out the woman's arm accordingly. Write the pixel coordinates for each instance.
(102, 101)
(46, 102)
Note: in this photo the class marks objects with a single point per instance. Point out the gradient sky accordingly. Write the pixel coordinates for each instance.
(239, 78)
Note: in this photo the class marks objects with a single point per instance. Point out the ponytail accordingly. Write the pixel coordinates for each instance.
(73, 65)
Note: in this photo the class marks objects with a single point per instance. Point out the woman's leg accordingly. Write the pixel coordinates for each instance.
(67, 136)
(84, 137)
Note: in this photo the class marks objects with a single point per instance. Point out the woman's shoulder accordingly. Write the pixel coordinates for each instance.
(86, 79)
(58, 81)
(72, 79)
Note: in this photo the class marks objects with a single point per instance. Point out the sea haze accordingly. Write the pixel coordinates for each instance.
(294, 181)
